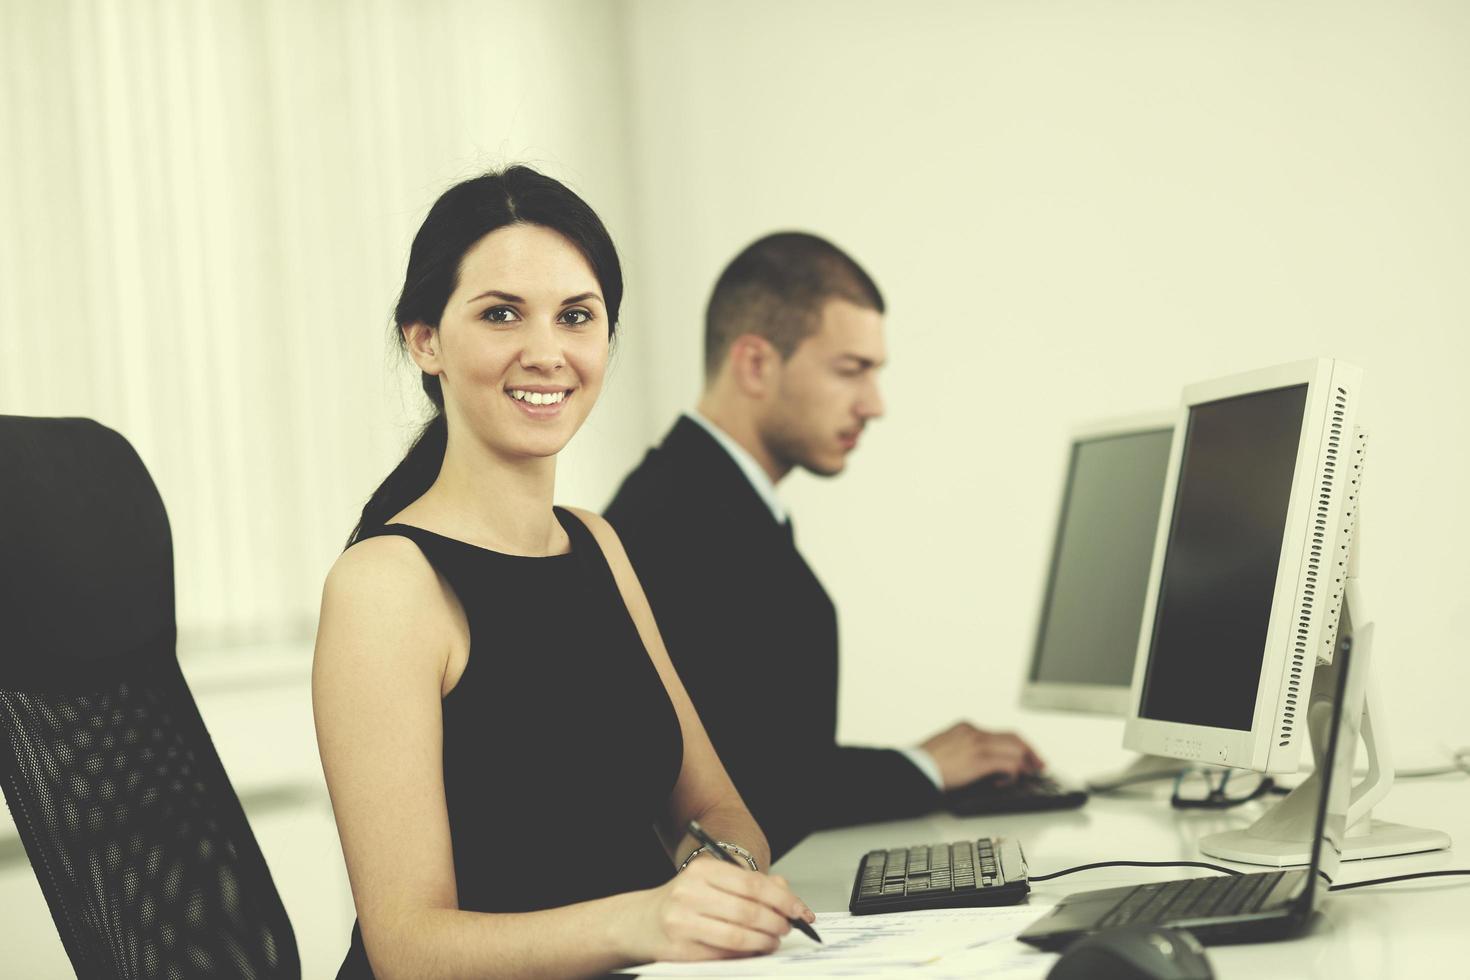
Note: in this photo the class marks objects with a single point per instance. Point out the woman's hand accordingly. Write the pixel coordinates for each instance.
(711, 910)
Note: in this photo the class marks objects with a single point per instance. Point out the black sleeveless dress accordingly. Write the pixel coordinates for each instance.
(559, 732)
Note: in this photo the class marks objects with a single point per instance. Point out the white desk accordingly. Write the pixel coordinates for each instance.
(1409, 930)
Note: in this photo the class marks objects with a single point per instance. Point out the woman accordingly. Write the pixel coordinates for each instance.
(510, 755)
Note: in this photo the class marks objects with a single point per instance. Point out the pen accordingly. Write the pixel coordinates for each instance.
(698, 833)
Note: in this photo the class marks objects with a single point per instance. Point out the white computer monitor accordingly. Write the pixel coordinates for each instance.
(1092, 604)
(1253, 570)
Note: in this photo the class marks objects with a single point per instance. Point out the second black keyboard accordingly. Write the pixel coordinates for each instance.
(1193, 898)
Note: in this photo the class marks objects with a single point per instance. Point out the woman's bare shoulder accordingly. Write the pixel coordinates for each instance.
(382, 596)
(388, 564)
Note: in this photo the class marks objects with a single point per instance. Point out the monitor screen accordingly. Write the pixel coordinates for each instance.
(1219, 569)
(1099, 573)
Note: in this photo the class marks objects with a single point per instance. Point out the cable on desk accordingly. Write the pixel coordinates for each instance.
(1461, 763)
(1384, 881)
(1102, 789)
(1136, 864)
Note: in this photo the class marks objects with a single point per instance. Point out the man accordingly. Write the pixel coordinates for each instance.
(793, 345)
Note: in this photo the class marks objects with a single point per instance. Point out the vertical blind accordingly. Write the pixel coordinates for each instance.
(205, 210)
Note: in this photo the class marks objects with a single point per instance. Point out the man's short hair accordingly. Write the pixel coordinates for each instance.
(776, 288)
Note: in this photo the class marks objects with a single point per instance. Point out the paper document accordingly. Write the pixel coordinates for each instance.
(922, 943)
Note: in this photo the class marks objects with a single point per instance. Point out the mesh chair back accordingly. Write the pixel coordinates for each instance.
(131, 825)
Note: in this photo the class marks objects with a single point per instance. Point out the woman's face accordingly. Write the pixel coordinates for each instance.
(522, 346)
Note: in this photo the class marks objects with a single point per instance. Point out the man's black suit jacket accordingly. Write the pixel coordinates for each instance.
(754, 638)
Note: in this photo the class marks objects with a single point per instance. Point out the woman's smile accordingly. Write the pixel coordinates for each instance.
(540, 401)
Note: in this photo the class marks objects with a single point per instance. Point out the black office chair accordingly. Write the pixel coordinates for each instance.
(132, 827)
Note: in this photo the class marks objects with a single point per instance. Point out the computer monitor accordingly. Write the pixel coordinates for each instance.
(1253, 572)
(1091, 607)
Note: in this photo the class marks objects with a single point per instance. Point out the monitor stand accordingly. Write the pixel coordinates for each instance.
(1283, 835)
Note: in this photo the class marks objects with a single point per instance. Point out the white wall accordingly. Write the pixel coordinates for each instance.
(1074, 209)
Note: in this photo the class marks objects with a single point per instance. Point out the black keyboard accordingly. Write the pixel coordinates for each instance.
(1192, 898)
(988, 871)
(1024, 794)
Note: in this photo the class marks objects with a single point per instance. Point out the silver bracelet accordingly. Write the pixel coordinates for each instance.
(734, 849)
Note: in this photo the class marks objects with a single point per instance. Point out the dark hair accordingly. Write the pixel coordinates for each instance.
(776, 288)
(463, 215)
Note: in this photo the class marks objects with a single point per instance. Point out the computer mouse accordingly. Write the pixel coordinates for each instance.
(1134, 953)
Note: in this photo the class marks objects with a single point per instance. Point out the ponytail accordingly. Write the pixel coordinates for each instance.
(409, 480)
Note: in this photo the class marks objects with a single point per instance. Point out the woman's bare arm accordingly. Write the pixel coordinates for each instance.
(387, 626)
